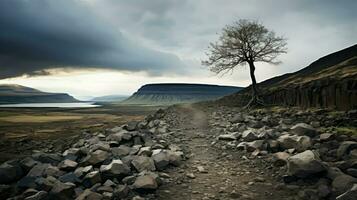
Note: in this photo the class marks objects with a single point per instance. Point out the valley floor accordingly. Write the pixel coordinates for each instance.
(23, 130)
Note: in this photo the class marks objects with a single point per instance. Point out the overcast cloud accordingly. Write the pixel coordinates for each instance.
(161, 36)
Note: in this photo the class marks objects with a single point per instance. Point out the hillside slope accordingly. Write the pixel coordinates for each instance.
(172, 93)
(11, 93)
(331, 82)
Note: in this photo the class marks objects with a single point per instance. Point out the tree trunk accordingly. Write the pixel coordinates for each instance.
(254, 82)
(255, 96)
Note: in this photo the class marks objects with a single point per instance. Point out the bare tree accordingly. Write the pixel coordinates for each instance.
(245, 42)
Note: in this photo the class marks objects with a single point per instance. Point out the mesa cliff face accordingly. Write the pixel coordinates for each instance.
(172, 93)
(330, 82)
(10, 94)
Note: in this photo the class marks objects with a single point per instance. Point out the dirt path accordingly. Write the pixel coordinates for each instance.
(226, 175)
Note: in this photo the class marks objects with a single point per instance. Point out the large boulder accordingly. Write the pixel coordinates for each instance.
(345, 148)
(300, 143)
(280, 158)
(303, 129)
(67, 165)
(62, 191)
(342, 183)
(121, 151)
(115, 169)
(91, 178)
(96, 157)
(145, 182)
(305, 164)
(161, 159)
(10, 172)
(142, 163)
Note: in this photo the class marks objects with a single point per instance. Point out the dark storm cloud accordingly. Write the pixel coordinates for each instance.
(313, 27)
(41, 34)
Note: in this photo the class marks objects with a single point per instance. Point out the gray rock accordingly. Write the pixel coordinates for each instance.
(53, 171)
(300, 143)
(280, 158)
(142, 163)
(131, 126)
(82, 171)
(175, 157)
(115, 169)
(10, 172)
(345, 148)
(257, 144)
(50, 158)
(27, 163)
(45, 184)
(237, 118)
(38, 170)
(303, 130)
(69, 177)
(121, 191)
(350, 194)
(161, 159)
(249, 135)
(145, 182)
(352, 172)
(67, 165)
(96, 157)
(326, 137)
(342, 183)
(229, 137)
(89, 195)
(333, 172)
(62, 191)
(145, 151)
(121, 151)
(91, 178)
(305, 164)
(71, 154)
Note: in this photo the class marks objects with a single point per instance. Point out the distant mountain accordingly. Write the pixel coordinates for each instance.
(330, 81)
(110, 98)
(11, 93)
(173, 93)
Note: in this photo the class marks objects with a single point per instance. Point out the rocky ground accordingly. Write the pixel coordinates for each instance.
(199, 152)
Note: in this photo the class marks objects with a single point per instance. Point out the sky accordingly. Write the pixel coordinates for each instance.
(101, 47)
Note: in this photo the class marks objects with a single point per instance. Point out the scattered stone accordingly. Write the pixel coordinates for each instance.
(67, 165)
(115, 169)
(142, 163)
(342, 183)
(345, 148)
(191, 175)
(280, 158)
(97, 157)
(303, 130)
(10, 173)
(91, 178)
(145, 182)
(305, 164)
(161, 159)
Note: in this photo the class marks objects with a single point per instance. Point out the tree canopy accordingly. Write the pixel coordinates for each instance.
(244, 42)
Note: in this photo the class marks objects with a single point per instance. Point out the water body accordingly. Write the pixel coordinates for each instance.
(51, 105)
